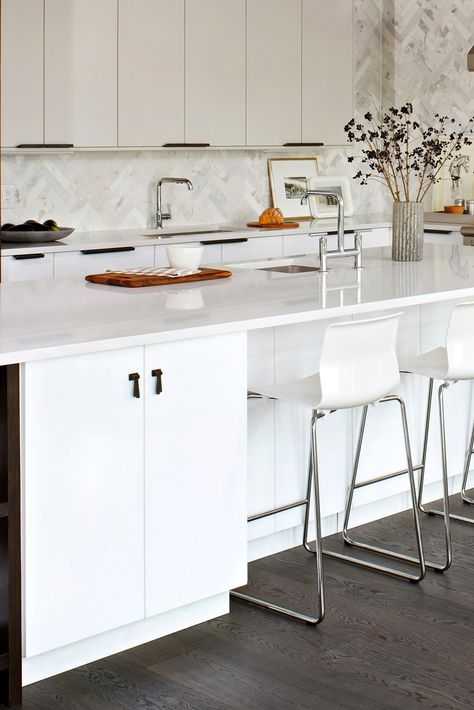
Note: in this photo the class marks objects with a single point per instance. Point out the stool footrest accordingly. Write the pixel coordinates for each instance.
(274, 511)
(385, 477)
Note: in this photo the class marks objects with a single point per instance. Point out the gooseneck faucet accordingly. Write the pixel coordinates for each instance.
(324, 254)
(160, 215)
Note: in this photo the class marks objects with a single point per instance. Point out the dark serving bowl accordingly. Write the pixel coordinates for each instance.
(32, 237)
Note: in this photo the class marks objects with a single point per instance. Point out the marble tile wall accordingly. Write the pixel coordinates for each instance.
(100, 190)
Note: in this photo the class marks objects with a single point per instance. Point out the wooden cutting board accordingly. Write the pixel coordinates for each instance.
(285, 225)
(138, 280)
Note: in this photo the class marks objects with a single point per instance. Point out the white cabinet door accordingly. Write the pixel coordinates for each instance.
(27, 267)
(81, 72)
(215, 72)
(327, 85)
(95, 261)
(151, 72)
(83, 497)
(273, 72)
(195, 470)
(255, 248)
(22, 72)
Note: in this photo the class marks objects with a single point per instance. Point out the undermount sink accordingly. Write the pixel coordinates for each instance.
(290, 268)
(189, 232)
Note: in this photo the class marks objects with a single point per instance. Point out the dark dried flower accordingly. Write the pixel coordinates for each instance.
(407, 157)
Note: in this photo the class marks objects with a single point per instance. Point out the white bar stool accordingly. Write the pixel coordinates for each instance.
(450, 364)
(358, 367)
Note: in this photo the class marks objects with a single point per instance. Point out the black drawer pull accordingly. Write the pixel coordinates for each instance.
(302, 145)
(134, 377)
(46, 145)
(225, 241)
(159, 384)
(21, 257)
(109, 250)
(186, 145)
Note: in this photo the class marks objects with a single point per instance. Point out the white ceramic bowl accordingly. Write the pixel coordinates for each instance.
(184, 256)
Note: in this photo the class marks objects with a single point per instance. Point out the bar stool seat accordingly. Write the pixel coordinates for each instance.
(450, 364)
(358, 367)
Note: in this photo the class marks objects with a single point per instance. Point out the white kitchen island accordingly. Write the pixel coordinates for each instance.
(136, 452)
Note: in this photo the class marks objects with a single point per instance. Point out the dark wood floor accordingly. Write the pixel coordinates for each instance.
(385, 645)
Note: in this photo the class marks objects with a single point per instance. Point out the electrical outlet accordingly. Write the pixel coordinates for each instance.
(7, 197)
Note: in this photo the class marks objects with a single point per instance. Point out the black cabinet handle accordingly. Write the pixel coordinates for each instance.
(159, 384)
(108, 250)
(225, 241)
(186, 145)
(134, 377)
(45, 145)
(20, 257)
(302, 145)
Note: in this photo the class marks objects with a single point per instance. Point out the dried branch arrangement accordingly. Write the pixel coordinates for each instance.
(404, 155)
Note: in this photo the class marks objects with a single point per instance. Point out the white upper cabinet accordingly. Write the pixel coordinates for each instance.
(81, 72)
(273, 72)
(107, 73)
(22, 72)
(151, 72)
(215, 72)
(327, 102)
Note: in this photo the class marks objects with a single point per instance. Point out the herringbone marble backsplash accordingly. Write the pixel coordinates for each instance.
(404, 50)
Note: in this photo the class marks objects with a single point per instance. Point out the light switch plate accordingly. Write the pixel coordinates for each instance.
(7, 197)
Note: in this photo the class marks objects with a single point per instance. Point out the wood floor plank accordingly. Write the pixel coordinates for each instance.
(385, 644)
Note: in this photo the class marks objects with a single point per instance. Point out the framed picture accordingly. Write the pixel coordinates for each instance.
(288, 182)
(457, 179)
(322, 207)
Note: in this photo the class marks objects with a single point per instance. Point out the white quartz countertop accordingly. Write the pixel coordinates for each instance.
(52, 318)
(112, 238)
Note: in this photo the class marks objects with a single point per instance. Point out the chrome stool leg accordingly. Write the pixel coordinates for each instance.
(445, 513)
(469, 453)
(354, 485)
(314, 478)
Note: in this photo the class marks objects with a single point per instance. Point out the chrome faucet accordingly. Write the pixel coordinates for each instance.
(324, 254)
(160, 216)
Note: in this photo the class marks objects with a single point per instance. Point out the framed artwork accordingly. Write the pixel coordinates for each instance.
(457, 179)
(322, 207)
(288, 182)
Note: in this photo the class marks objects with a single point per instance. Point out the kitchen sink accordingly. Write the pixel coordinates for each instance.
(290, 268)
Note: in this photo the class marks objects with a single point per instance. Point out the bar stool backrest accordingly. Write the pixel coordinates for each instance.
(460, 342)
(359, 362)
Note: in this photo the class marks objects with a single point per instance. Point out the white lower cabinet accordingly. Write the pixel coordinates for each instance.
(27, 267)
(95, 261)
(134, 498)
(195, 464)
(83, 498)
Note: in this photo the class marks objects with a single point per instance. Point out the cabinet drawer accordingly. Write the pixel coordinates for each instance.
(94, 261)
(255, 248)
(27, 267)
(211, 254)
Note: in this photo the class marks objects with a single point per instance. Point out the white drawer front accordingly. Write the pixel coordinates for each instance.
(255, 248)
(27, 267)
(73, 263)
